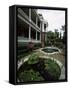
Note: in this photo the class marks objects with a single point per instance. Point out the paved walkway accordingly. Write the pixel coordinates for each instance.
(58, 56)
(62, 76)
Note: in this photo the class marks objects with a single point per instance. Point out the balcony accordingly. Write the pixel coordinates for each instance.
(31, 22)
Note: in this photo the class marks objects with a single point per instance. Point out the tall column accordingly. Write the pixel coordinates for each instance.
(40, 36)
(36, 35)
(29, 25)
(40, 25)
(36, 20)
(29, 32)
(30, 14)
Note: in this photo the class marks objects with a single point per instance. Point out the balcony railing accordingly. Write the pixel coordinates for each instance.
(26, 17)
(23, 39)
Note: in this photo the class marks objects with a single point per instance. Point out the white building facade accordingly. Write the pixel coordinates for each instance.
(30, 26)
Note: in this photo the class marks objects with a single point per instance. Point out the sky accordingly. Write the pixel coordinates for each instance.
(55, 18)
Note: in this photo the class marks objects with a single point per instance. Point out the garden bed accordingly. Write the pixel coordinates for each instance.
(38, 69)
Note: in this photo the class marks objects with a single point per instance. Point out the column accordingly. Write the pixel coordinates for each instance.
(36, 20)
(29, 25)
(30, 14)
(40, 36)
(36, 35)
(29, 32)
(40, 25)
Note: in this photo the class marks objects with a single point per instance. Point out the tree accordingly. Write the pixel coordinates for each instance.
(56, 34)
(50, 38)
(63, 29)
(53, 38)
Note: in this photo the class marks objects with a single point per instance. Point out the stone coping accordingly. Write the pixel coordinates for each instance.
(47, 57)
(59, 51)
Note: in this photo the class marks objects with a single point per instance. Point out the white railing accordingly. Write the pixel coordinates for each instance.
(22, 13)
(26, 16)
(23, 39)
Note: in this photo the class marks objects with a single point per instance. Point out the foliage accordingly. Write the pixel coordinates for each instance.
(53, 68)
(59, 44)
(37, 69)
(33, 59)
(54, 39)
(63, 29)
(50, 38)
(30, 75)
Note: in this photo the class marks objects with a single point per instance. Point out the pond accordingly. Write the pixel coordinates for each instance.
(50, 49)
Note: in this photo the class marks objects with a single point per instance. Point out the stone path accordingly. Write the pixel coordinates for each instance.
(62, 76)
(58, 56)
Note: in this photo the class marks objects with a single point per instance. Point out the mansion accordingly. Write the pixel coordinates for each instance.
(31, 27)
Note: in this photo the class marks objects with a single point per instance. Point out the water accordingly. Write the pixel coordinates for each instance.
(50, 50)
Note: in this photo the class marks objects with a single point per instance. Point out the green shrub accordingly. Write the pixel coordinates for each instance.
(35, 69)
(53, 68)
(33, 59)
(59, 44)
(30, 75)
